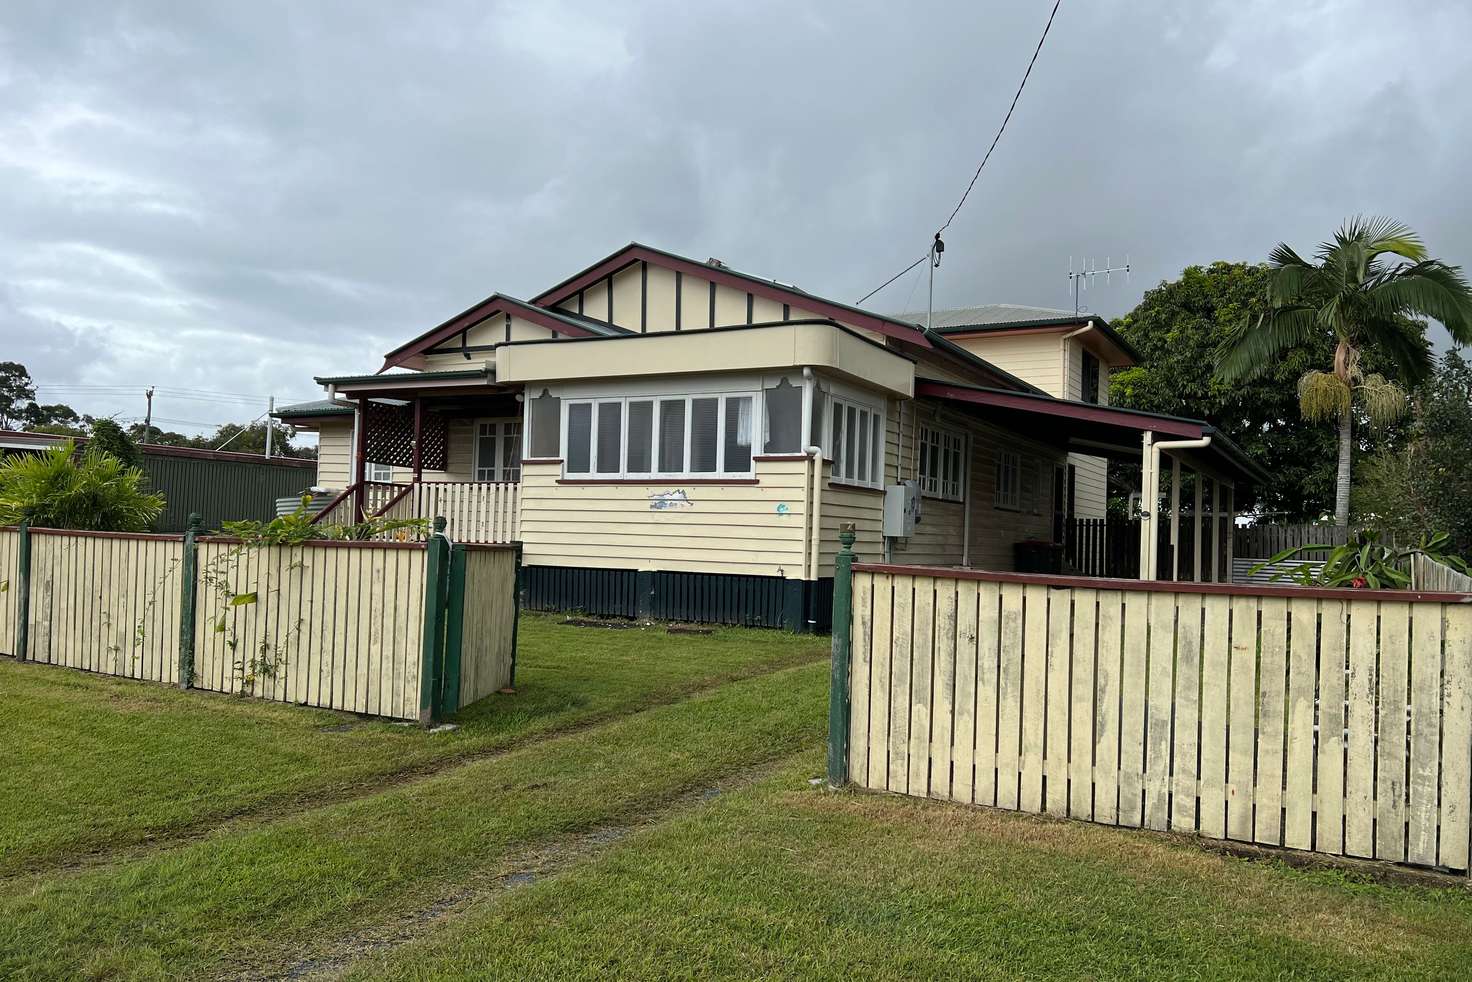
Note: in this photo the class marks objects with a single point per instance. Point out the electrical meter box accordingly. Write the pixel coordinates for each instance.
(901, 509)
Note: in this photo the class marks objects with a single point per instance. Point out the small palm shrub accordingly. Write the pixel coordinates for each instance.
(1365, 562)
(61, 489)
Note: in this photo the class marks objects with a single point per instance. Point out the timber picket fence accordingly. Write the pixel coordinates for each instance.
(1335, 721)
(405, 630)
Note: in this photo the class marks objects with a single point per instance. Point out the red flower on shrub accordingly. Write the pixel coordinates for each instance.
(1358, 582)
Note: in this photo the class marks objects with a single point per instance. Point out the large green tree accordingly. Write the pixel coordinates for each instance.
(1177, 328)
(1368, 289)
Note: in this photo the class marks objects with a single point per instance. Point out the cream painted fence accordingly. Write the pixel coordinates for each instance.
(395, 629)
(1328, 720)
(335, 625)
(106, 602)
(9, 586)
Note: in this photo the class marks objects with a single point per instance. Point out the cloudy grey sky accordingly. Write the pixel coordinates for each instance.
(233, 197)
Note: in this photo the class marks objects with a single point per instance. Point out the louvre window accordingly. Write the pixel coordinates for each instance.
(579, 438)
(640, 456)
(671, 436)
(942, 463)
(856, 447)
(667, 436)
(704, 427)
(610, 436)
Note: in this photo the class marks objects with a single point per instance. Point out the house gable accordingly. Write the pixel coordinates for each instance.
(644, 289)
(496, 319)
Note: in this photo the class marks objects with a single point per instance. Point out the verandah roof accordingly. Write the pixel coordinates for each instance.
(1103, 431)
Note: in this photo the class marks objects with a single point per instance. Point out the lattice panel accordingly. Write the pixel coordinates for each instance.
(390, 437)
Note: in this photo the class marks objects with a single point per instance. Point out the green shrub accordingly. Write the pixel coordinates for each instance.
(92, 491)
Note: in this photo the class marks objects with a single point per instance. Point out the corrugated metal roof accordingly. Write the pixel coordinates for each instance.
(992, 314)
(320, 407)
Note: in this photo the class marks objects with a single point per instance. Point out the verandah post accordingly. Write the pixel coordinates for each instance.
(189, 585)
(436, 580)
(838, 704)
(23, 594)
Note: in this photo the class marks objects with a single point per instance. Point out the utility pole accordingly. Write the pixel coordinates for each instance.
(270, 425)
(148, 415)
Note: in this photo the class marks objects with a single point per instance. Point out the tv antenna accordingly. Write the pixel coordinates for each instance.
(1089, 270)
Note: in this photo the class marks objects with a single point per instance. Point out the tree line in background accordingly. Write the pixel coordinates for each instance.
(19, 410)
(1314, 368)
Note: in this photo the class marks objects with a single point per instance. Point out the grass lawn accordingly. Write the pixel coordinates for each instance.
(275, 889)
(641, 874)
(782, 880)
(93, 763)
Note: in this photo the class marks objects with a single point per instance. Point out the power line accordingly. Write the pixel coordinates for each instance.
(893, 278)
(988, 156)
(1018, 95)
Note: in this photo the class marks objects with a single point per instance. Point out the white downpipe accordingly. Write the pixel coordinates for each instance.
(1149, 524)
(812, 531)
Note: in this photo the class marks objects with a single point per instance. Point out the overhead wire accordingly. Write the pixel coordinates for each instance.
(987, 156)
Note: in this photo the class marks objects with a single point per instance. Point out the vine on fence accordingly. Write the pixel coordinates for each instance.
(294, 529)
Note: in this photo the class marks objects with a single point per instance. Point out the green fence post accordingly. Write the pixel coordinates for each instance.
(838, 705)
(23, 592)
(436, 583)
(449, 702)
(515, 617)
(189, 577)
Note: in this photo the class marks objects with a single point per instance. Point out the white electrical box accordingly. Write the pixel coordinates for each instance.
(901, 509)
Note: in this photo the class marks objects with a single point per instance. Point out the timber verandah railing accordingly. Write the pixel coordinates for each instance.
(1334, 721)
(474, 511)
(378, 628)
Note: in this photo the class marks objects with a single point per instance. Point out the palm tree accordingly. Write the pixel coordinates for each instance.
(1371, 287)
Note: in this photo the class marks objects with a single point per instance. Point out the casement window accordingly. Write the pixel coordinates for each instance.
(498, 450)
(856, 443)
(378, 473)
(1090, 378)
(660, 436)
(942, 463)
(1008, 490)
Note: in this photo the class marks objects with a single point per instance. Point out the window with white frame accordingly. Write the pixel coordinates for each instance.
(378, 473)
(1008, 490)
(942, 463)
(857, 443)
(660, 436)
(498, 450)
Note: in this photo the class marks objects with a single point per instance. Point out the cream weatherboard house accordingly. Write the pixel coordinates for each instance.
(673, 438)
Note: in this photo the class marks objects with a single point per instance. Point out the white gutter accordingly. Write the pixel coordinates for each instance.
(1150, 484)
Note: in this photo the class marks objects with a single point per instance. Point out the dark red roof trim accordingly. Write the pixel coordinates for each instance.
(469, 318)
(1163, 586)
(1057, 407)
(631, 254)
